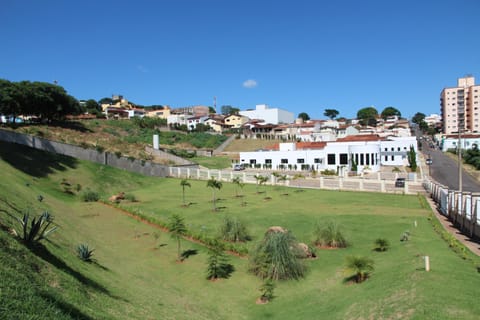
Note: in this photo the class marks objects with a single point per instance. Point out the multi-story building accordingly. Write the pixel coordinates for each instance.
(460, 107)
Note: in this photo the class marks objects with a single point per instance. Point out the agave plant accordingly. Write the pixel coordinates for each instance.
(37, 229)
(84, 252)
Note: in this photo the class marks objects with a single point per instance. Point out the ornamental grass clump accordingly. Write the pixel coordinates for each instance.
(329, 235)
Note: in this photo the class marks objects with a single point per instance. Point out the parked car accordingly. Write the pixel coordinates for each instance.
(429, 161)
(238, 167)
(400, 183)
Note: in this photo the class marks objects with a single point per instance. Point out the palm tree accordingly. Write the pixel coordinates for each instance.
(381, 244)
(264, 180)
(276, 175)
(177, 228)
(184, 183)
(214, 184)
(258, 178)
(361, 266)
(238, 183)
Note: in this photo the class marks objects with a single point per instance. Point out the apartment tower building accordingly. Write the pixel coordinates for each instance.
(460, 107)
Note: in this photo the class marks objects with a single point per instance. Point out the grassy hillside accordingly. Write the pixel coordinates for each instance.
(136, 276)
(126, 137)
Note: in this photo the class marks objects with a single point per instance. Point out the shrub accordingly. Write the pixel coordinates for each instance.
(328, 172)
(90, 196)
(84, 252)
(233, 230)
(131, 197)
(405, 236)
(329, 235)
(99, 148)
(381, 244)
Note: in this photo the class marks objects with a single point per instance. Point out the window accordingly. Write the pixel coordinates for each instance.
(367, 159)
(300, 160)
(317, 160)
(268, 161)
(398, 149)
(331, 158)
(361, 159)
(253, 161)
(343, 158)
(284, 161)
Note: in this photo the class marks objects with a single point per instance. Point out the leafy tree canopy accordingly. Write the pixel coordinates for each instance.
(105, 100)
(331, 113)
(418, 117)
(211, 110)
(304, 116)
(390, 111)
(228, 110)
(367, 115)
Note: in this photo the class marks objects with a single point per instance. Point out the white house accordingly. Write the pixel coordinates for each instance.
(367, 152)
(468, 141)
(269, 115)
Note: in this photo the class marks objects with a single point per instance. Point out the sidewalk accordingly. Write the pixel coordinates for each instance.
(447, 224)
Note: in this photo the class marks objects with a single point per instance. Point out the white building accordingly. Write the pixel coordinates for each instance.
(467, 141)
(367, 152)
(269, 115)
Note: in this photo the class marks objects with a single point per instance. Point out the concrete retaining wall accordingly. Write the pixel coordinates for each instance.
(134, 165)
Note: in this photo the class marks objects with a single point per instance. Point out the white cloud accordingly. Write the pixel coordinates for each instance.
(250, 83)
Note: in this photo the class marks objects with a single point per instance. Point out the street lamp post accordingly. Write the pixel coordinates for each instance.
(459, 160)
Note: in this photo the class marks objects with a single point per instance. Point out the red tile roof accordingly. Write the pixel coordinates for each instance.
(360, 137)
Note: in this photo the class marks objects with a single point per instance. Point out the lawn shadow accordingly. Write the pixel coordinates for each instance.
(35, 162)
(65, 307)
(188, 253)
(42, 252)
(72, 125)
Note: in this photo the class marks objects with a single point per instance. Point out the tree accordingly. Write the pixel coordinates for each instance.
(412, 159)
(212, 110)
(238, 184)
(214, 184)
(177, 229)
(184, 183)
(228, 110)
(276, 257)
(367, 116)
(418, 118)
(105, 100)
(218, 266)
(92, 106)
(304, 116)
(390, 111)
(331, 113)
(361, 266)
(267, 288)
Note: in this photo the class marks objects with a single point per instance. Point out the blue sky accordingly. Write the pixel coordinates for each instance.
(303, 56)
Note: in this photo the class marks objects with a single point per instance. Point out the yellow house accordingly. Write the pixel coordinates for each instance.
(236, 121)
(160, 113)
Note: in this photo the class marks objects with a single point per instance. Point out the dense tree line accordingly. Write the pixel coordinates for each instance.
(42, 100)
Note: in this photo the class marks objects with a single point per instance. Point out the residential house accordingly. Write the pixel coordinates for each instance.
(235, 121)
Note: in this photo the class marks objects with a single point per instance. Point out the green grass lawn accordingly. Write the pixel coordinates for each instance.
(135, 275)
(218, 162)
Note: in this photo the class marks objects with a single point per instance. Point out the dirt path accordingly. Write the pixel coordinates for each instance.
(471, 244)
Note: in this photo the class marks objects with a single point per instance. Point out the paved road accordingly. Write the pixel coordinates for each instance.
(444, 170)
